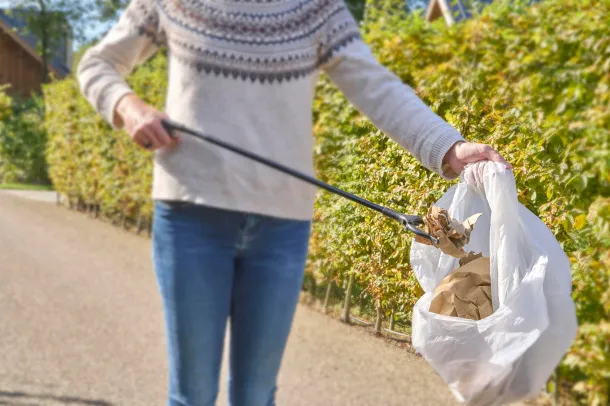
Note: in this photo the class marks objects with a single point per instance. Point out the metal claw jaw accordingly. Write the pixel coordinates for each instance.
(411, 222)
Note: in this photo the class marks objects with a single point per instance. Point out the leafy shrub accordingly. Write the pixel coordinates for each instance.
(22, 140)
(589, 360)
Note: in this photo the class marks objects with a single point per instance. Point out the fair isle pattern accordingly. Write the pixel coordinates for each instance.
(144, 17)
(256, 40)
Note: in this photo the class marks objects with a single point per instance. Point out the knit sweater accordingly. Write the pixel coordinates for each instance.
(245, 71)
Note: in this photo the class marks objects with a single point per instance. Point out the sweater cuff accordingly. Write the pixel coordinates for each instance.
(439, 149)
(110, 98)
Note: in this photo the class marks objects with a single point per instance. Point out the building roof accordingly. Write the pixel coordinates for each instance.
(453, 10)
(14, 23)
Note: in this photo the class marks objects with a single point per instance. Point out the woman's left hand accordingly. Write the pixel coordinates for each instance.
(464, 153)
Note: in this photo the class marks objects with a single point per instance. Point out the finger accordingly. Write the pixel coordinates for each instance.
(484, 151)
(173, 135)
(161, 134)
(492, 155)
(476, 153)
(146, 140)
(154, 138)
(496, 157)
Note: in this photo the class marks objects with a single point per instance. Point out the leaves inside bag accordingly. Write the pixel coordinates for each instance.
(452, 234)
(465, 292)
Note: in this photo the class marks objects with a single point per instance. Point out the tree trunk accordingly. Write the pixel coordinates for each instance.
(44, 41)
(378, 301)
(329, 289)
(348, 298)
(391, 328)
(378, 319)
(140, 223)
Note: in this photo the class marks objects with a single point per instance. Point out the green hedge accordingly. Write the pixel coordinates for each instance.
(93, 165)
(534, 82)
(22, 140)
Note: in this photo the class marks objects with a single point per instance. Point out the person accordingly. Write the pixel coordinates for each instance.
(230, 236)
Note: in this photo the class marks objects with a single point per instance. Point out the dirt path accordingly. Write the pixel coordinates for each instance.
(81, 324)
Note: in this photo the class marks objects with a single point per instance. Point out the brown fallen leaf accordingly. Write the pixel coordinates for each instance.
(452, 234)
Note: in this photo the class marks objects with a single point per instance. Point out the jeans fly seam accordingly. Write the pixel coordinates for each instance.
(243, 236)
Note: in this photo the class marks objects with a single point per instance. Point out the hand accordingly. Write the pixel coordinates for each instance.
(463, 153)
(143, 123)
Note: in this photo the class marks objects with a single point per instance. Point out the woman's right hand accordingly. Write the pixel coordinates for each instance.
(143, 123)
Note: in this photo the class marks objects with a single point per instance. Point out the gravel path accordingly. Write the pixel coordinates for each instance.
(81, 324)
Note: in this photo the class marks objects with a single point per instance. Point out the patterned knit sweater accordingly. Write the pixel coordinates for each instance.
(246, 71)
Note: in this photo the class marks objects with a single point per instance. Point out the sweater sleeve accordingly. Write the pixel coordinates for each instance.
(133, 40)
(379, 94)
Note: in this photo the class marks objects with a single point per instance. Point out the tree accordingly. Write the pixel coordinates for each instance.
(51, 21)
(357, 8)
(109, 9)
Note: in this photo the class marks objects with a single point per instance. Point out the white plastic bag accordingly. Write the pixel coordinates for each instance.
(509, 355)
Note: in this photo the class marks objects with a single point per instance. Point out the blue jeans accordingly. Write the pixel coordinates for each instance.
(212, 266)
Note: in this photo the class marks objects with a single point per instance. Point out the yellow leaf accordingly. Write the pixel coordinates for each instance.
(579, 221)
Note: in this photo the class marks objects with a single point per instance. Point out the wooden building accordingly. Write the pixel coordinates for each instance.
(453, 10)
(20, 63)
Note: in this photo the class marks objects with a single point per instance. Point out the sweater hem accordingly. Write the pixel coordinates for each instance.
(259, 209)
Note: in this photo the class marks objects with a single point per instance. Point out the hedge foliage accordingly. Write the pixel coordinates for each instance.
(22, 140)
(534, 82)
(90, 163)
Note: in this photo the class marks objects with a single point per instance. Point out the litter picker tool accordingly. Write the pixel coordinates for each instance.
(409, 222)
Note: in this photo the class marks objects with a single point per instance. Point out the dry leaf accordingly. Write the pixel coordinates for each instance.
(466, 292)
(452, 234)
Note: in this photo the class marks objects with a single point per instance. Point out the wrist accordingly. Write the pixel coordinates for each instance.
(450, 157)
(123, 107)
(450, 165)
